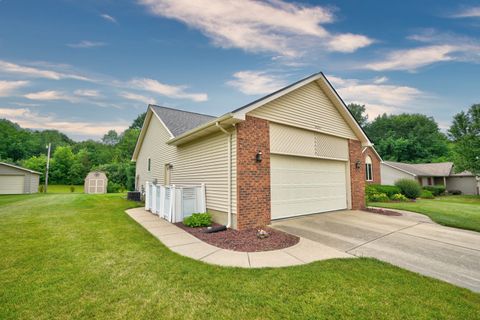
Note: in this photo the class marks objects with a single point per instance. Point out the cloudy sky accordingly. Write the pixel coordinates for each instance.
(84, 67)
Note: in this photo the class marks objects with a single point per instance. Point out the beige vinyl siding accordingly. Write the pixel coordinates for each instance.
(307, 107)
(201, 161)
(295, 141)
(390, 175)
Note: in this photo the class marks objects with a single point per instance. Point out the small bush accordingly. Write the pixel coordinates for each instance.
(426, 194)
(435, 190)
(409, 188)
(41, 188)
(378, 197)
(398, 197)
(198, 220)
(113, 187)
(390, 191)
(455, 192)
(72, 189)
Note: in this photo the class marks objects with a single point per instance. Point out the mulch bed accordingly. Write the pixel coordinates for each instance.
(383, 211)
(244, 240)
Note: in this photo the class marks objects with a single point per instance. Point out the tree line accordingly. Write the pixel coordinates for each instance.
(416, 138)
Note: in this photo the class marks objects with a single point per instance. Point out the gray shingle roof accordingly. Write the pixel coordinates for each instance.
(463, 174)
(179, 121)
(442, 169)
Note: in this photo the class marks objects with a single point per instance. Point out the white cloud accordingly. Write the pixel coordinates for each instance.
(378, 98)
(49, 95)
(27, 71)
(176, 92)
(87, 93)
(108, 17)
(80, 129)
(7, 87)
(255, 82)
(412, 59)
(271, 26)
(137, 97)
(86, 44)
(380, 80)
(473, 12)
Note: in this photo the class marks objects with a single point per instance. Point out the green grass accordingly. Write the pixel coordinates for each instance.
(453, 211)
(63, 188)
(77, 256)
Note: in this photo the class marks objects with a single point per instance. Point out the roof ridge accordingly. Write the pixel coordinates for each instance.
(181, 110)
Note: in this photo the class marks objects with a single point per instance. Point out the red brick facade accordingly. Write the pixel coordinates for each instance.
(375, 165)
(253, 178)
(357, 174)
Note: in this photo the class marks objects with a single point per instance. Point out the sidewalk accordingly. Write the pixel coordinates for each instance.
(183, 243)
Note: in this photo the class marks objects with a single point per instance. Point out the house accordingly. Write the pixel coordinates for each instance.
(18, 180)
(429, 174)
(95, 182)
(294, 152)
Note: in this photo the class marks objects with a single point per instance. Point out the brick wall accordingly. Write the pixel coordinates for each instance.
(375, 165)
(357, 175)
(253, 178)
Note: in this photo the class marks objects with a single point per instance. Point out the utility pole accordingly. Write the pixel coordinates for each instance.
(48, 166)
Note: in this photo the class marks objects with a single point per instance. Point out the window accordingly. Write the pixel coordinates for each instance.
(148, 165)
(368, 169)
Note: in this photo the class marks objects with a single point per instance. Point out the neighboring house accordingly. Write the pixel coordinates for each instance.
(18, 180)
(430, 174)
(296, 151)
(95, 182)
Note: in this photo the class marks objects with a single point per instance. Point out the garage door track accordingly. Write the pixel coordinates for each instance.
(411, 241)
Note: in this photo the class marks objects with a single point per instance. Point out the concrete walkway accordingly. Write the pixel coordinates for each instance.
(411, 241)
(183, 243)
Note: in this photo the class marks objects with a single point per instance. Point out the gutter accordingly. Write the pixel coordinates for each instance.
(229, 137)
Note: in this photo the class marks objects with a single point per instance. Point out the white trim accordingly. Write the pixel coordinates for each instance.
(161, 121)
(309, 156)
(374, 150)
(391, 166)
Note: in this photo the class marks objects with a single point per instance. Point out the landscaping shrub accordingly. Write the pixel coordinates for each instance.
(398, 197)
(72, 189)
(455, 192)
(378, 197)
(426, 194)
(198, 220)
(409, 188)
(113, 187)
(41, 189)
(390, 191)
(435, 190)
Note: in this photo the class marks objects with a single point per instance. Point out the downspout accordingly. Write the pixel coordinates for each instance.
(229, 134)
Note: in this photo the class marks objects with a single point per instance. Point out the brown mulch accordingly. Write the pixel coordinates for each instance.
(383, 211)
(244, 240)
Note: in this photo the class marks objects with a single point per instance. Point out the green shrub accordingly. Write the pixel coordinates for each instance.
(378, 197)
(113, 187)
(398, 197)
(72, 189)
(409, 188)
(435, 190)
(426, 194)
(390, 191)
(455, 192)
(41, 188)
(198, 220)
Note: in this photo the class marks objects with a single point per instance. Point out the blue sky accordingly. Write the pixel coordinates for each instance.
(84, 67)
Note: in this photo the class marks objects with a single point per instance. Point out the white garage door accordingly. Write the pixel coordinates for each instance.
(11, 184)
(306, 185)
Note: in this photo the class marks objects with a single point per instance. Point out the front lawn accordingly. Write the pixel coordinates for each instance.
(77, 256)
(454, 211)
(64, 188)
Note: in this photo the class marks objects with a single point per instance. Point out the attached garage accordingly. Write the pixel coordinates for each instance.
(17, 180)
(301, 185)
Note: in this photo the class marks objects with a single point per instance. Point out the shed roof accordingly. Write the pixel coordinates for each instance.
(19, 168)
(180, 121)
(442, 169)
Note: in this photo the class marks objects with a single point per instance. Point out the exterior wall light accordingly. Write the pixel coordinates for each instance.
(258, 156)
(358, 164)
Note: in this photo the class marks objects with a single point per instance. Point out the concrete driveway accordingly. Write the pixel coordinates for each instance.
(411, 241)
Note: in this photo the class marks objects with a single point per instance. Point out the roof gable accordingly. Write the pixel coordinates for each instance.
(179, 121)
(442, 169)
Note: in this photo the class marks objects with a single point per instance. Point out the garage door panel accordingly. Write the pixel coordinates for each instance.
(306, 185)
(11, 184)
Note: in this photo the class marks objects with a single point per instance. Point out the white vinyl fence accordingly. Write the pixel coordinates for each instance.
(174, 203)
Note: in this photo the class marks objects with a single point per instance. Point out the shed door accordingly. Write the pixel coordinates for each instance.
(302, 185)
(12, 184)
(96, 186)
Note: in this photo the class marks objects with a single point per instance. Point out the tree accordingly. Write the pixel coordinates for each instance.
(62, 163)
(465, 133)
(111, 138)
(359, 113)
(126, 145)
(138, 122)
(37, 163)
(407, 138)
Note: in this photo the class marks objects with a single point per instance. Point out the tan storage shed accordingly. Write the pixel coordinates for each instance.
(96, 182)
(18, 180)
